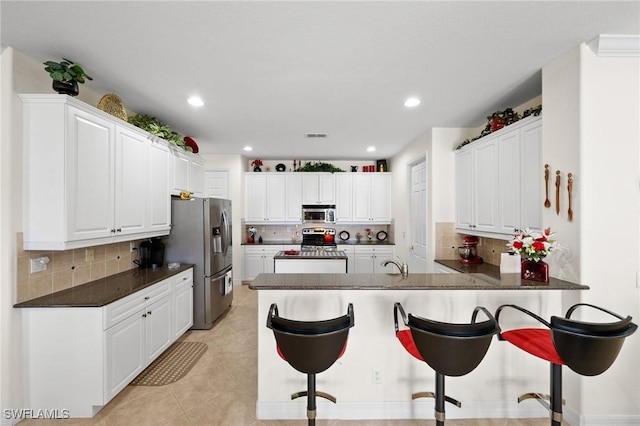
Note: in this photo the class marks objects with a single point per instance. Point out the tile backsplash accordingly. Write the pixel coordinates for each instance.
(69, 268)
(448, 241)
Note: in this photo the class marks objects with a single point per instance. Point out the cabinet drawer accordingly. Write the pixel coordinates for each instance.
(115, 312)
(183, 279)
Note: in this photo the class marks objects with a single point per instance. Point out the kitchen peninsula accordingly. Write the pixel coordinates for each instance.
(375, 377)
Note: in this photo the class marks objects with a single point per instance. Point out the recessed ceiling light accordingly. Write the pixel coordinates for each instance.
(248, 148)
(195, 101)
(412, 102)
(371, 149)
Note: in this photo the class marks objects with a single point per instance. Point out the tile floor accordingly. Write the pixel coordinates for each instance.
(221, 389)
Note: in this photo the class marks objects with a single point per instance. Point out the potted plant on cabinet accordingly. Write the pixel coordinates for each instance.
(66, 75)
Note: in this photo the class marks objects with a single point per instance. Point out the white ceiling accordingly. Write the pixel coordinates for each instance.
(270, 72)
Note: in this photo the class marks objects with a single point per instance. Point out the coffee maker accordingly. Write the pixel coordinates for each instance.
(150, 253)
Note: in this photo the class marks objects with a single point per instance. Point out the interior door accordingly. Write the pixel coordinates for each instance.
(418, 217)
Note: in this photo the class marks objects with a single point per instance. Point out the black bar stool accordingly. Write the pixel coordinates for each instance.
(311, 347)
(450, 349)
(588, 348)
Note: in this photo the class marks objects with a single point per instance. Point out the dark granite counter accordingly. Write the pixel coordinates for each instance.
(492, 271)
(338, 242)
(105, 290)
(469, 281)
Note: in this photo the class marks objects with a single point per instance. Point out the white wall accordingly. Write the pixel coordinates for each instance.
(609, 172)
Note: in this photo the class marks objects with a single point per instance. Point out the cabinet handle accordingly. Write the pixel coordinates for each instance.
(149, 313)
(144, 315)
(146, 298)
(119, 230)
(184, 279)
(113, 231)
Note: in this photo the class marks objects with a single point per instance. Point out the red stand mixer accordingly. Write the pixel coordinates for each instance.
(468, 252)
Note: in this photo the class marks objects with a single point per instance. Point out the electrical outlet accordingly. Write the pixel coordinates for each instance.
(39, 264)
(376, 376)
(132, 247)
(88, 255)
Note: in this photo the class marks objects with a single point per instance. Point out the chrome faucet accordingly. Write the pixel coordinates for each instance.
(402, 266)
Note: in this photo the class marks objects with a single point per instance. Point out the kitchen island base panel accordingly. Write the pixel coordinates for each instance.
(489, 392)
(310, 266)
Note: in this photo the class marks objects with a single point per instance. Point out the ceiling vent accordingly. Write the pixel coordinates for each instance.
(315, 135)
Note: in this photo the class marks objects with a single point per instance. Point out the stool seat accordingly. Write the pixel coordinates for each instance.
(588, 348)
(310, 347)
(449, 349)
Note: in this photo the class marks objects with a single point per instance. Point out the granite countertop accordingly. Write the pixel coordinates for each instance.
(492, 271)
(468, 281)
(338, 242)
(339, 254)
(106, 290)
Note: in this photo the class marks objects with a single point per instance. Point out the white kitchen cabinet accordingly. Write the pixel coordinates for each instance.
(368, 259)
(441, 269)
(351, 253)
(85, 178)
(318, 188)
(181, 166)
(196, 174)
(498, 181)
(272, 198)
(371, 198)
(182, 303)
(158, 199)
(344, 197)
(259, 259)
(79, 358)
(477, 187)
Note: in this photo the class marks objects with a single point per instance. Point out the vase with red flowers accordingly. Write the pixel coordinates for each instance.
(532, 248)
(256, 165)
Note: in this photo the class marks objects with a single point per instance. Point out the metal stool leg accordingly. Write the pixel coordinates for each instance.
(556, 394)
(439, 408)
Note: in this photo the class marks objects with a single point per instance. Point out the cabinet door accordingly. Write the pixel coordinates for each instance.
(486, 186)
(344, 197)
(159, 199)
(181, 169)
(253, 264)
(363, 263)
(382, 254)
(158, 327)
(183, 308)
(293, 194)
(318, 188)
(275, 201)
(509, 175)
(255, 197)
(196, 178)
(361, 198)
(124, 353)
(326, 188)
(380, 199)
(131, 182)
(532, 179)
(90, 169)
(464, 189)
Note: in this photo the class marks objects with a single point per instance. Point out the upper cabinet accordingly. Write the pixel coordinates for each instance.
(499, 181)
(371, 198)
(89, 178)
(318, 188)
(188, 174)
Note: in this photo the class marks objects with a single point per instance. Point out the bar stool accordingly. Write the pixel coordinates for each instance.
(311, 347)
(449, 349)
(588, 348)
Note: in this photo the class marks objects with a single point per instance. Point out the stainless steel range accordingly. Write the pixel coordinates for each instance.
(318, 238)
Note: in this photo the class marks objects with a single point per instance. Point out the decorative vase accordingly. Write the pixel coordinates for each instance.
(257, 169)
(66, 87)
(534, 271)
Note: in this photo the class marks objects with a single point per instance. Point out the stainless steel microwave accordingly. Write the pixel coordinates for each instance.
(318, 213)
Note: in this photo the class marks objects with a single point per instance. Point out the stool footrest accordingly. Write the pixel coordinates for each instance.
(538, 396)
(433, 395)
(318, 393)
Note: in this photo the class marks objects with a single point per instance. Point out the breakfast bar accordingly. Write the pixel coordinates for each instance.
(375, 378)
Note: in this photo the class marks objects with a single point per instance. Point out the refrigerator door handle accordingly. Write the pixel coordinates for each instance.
(225, 227)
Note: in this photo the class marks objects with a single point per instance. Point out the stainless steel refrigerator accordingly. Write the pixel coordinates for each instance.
(201, 235)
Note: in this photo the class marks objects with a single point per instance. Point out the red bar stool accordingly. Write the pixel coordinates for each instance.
(449, 349)
(311, 347)
(588, 348)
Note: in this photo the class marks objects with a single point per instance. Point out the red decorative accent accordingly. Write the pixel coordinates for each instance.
(191, 144)
(534, 271)
(406, 339)
(496, 124)
(536, 341)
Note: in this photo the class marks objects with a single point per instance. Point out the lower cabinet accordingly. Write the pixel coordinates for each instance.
(259, 259)
(368, 259)
(441, 269)
(80, 358)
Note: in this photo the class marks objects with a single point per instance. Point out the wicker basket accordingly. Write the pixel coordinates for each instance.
(112, 104)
